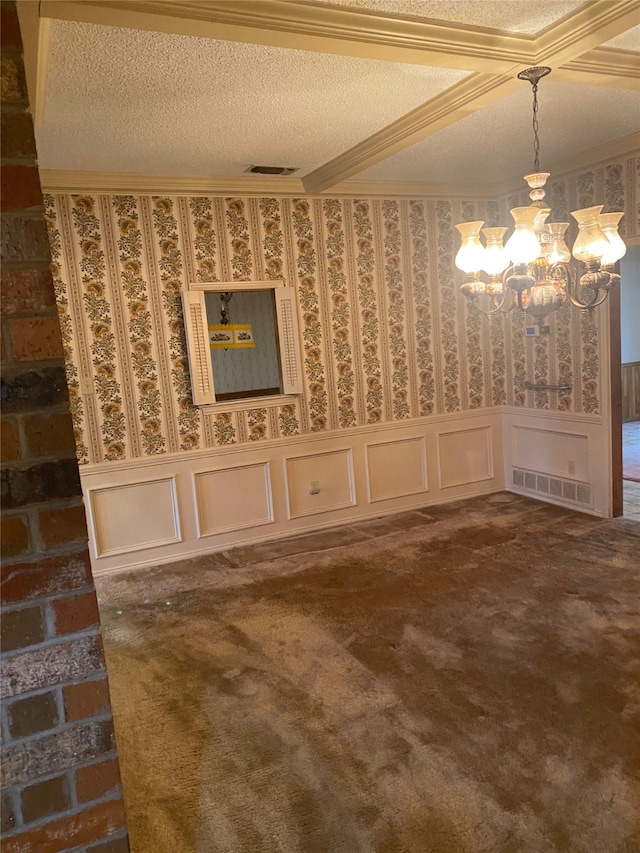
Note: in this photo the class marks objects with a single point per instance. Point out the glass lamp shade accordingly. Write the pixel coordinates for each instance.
(471, 254)
(556, 251)
(523, 246)
(496, 259)
(617, 249)
(591, 243)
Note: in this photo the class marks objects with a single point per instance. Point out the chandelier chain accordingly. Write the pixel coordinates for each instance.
(536, 140)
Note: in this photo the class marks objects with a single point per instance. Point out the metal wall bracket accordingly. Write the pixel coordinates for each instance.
(529, 386)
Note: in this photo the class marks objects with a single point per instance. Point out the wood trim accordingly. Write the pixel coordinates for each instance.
(615, 386)
(126, 183)
(615, 69)
(312, 26)
(591, 26)
(113, 183)
(35, 32)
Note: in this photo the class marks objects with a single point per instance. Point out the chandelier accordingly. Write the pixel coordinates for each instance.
(533, 269)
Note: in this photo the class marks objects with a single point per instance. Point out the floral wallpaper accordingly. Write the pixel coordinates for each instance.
(386, 333)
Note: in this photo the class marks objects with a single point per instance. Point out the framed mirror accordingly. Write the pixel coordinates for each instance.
(243, 342)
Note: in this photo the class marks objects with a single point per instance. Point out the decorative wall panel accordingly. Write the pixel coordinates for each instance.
(330, 473)
(233, 498)
(396, 468)
(132, 516)
(563, 454)
(465, 456)
(386, 335)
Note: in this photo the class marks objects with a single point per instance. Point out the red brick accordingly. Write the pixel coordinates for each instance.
(85, 699)
(35, 338)
(10, 26)
(114, 845)
(28, 760)
(16, 132)
(45, 666)
(45, 481)
(74, 831)
(45, 577)
(94, 781)
(20, 188)
(26, 290)
(12, 80)
(64, 525)
(7, 814)
(9, 440)
(24, 238)
(76, 614)
(15, 537)
(32, 714)
(20, 628)
(45, 799)
(34, 389)
(50, 435)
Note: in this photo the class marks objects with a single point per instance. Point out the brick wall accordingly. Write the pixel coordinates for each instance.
(61, 785)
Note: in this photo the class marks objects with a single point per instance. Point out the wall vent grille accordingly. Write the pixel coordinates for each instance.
(565, 490)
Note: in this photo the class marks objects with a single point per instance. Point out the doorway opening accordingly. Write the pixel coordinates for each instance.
(630, 380)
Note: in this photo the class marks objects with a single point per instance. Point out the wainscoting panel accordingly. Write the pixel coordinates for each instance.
(465, 456)
(330, 472)
(562, 454)
(396, 469)
(233, 498)
(150, 511)
(133, 516)
(562, 459)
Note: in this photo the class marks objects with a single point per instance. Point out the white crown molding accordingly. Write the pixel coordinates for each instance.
(124, 183)
(128, 183)
(311, 26)
(592, 25)
(615, 69)
(471, 94)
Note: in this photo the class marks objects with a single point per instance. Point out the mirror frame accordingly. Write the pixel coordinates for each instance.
(200, 364)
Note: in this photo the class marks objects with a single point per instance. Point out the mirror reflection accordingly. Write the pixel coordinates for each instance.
(243, 342)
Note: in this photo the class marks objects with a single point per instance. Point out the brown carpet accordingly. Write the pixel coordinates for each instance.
(457, 680)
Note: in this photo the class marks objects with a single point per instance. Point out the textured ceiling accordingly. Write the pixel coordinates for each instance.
(515, 16)
(154, 103)
(497, 143)
(626, 41)
(136, 101)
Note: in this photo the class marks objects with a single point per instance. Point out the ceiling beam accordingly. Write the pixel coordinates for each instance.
(463, 99)
(310, 26)
(615, 69)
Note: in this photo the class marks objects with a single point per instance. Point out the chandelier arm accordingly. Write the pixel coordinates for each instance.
(588, 306)
(572, 288)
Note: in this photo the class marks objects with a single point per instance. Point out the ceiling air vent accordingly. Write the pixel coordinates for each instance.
(272, 170)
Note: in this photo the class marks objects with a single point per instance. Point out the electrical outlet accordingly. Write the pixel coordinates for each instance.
(86, 385)
(314, 488)
(571, 466)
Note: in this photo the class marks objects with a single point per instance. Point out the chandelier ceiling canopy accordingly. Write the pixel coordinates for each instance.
(534, 268)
